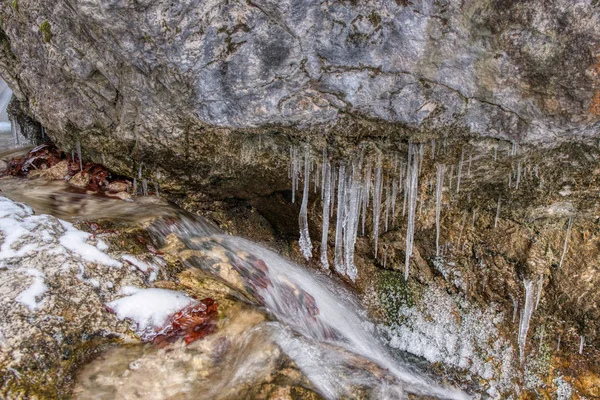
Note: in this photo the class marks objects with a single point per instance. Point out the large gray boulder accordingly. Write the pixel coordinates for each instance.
(179, 80)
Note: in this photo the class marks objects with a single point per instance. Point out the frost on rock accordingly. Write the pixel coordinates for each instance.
(448, 329)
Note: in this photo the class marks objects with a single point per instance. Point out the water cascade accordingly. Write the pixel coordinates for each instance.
(318, 324)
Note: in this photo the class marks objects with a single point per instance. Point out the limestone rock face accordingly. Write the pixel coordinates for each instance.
(165, 76)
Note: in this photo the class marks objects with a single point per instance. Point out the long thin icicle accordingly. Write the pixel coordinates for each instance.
(460, 167)
(365, 196)
(325, 226)
(338, 260)
(353, 194)
(439, 187)
(526, 313)
(412, 205)
(377, 189)
(305, 243)
(562, 258)
(497, 213)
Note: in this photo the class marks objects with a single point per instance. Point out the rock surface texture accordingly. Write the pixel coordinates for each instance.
(172, 77)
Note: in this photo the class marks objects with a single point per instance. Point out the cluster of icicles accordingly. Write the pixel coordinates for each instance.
(351, 190)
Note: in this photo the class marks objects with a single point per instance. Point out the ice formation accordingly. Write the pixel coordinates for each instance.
(564, 252)
(412, 204)
(305, 243)
(439, 187)
(526, 313)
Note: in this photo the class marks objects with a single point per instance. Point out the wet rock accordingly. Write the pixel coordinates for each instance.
(56, 172)
(80, 180)
(118, 187)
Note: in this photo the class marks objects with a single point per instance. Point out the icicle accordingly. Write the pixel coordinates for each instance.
(326, 190)
(421, 156)
(451, 174)
(460, 233)
(407, 181)
(525, 318)
(304, 241)
(509, 179)
(317, 170)
(338, 260)
(377, 192)
(515, 309)
(145, 187)
(469, 168)
(140, 171)
(539, 291)
(518, 175)
(439, 187)
(332, 186)
(496, 153)
(394, 195)
(103, 159)
(388, 199)
(558, 344)
(294, 171)
(72, 156)
(353, 194)
(581, 343)
(460, 166)
(562, 258)
(134, 190)
(324, 166)
(78, 148)
(414, 181)
(365, 196)
(291, 164)
(541, 182)
(156, 189)
(497, 213)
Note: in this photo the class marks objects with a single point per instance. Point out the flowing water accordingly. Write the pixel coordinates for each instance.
(290, 312)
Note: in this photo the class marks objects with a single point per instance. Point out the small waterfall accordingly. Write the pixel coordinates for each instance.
(320, 325)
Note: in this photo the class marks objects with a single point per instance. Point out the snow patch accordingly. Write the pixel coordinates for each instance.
(76, 241)
(149, 309)
(29, 296)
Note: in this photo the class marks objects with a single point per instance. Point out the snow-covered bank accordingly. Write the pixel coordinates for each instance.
(55, 283)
